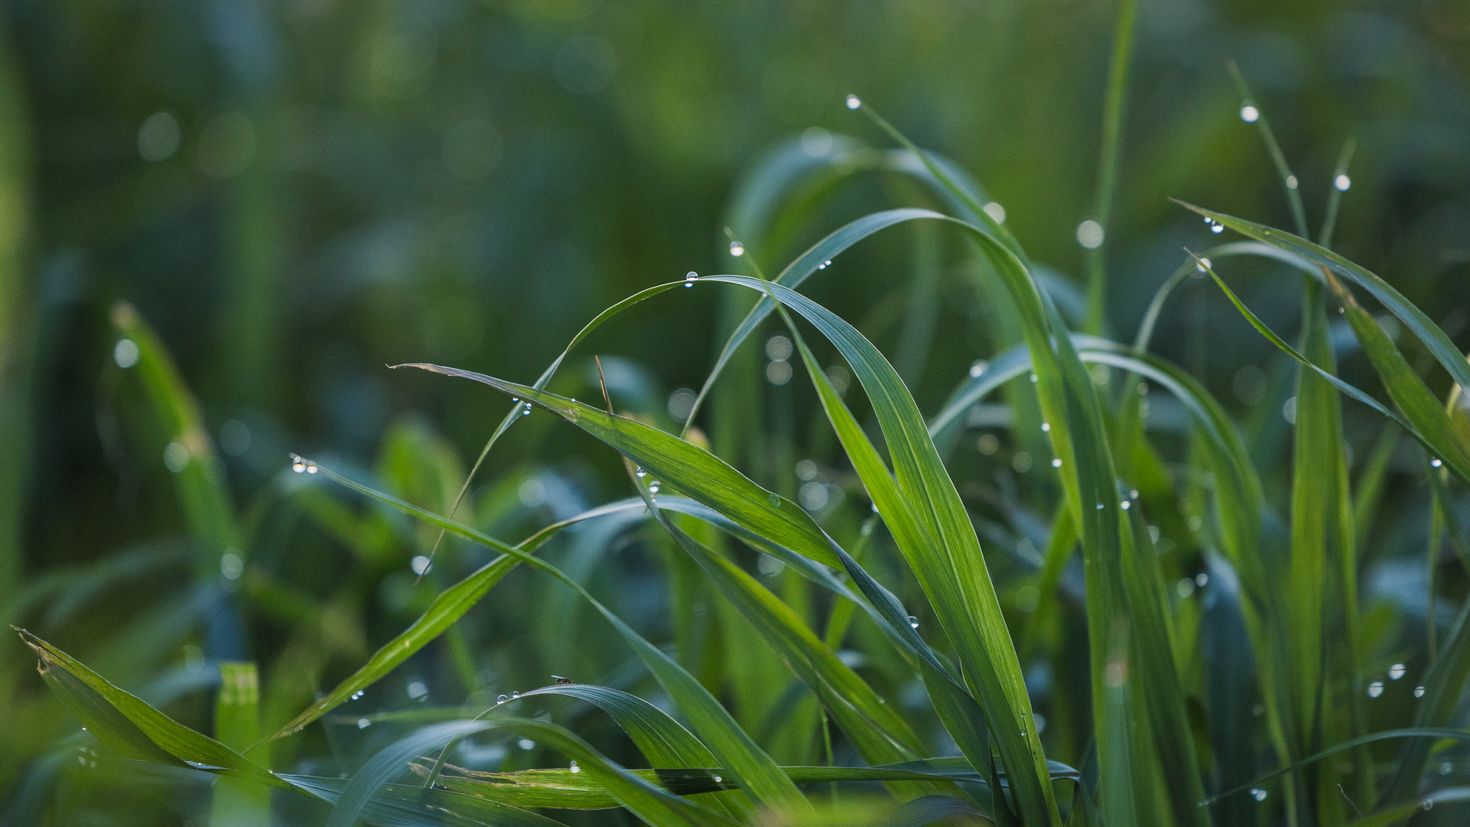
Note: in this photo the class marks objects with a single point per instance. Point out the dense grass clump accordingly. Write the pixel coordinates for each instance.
(843, 583)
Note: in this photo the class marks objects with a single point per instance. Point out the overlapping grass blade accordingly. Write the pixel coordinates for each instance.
(1415, 320)
(126, 723)
(750, 768)
(403, 805)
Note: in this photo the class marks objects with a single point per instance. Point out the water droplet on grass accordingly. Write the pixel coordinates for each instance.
(363, 723)
(1259, 794)
(853, 102)
(1249, 113)
(1342, 183)
(1398, 670)
(1419, 691)
(913, 622)
(1056, 462)
(500, 699)
(125, 353)
(737, 249)
(1436, 462)
(574, 767)
(1375, 689)
(1090, 234)
(690, 278)
(1291, 182)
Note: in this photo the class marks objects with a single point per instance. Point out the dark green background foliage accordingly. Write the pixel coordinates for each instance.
(292, 195)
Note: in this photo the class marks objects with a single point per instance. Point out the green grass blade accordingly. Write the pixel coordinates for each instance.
(403, 805)
(646, 800)
(1109, 149)
(749, 766)
(238, 803)
(1434, 339)
(124, 722)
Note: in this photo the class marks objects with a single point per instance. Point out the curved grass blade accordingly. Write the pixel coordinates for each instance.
(124, 722)
(402, 805)
(750, 768)
(644, 799)
(1434, 339)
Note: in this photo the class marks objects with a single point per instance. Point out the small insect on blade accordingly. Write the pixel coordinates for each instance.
(561, 681)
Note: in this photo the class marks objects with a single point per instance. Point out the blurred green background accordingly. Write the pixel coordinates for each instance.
(294, 194)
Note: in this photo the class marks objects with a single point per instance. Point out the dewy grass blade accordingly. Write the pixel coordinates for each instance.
(750, 768)
(125, 722)
(1438, 343)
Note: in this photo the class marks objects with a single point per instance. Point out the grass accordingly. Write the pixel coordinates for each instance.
(828, 611)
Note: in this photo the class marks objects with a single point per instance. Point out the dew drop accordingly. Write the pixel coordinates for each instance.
(1375, 689)
(500, 699)
(1099, 506)
(1046, 427)
(125, 353)
(515, 695)
(526, 744)
(913, 622)
(574, 767)
(690, 278)
(1436, 462)
(1258, 793)
(298, 464)
(1419, 691)
(1249, 113)
(526, 409)
(231, 566)
(1428, 804)
(357, 696)
(1216, 227)
(1056, 462)
(419, 564)
(1033, 377)
(978, 367)
(853, 102)
(1202, 266)
(717, 779)
(1397, 671)
(417, 690)
(175, 457)
(737, 249)
(1090, 234)
(363, 723)
(1133, 493)
(1291, 182)
(996, 212)
(1125, 505)
(311, 467)
(639, 472)
(653, 487)
(1342, 183)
